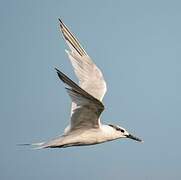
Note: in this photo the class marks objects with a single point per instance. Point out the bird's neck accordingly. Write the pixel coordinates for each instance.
(109, 133)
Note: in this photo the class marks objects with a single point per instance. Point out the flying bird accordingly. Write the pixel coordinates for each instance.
(85, 126)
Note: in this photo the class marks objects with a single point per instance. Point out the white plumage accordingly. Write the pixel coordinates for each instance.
(85, 127)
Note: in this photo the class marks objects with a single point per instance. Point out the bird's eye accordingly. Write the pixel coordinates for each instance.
(122, 130)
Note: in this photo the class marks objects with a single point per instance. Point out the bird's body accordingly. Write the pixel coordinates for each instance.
(82, 137)
(85, 125)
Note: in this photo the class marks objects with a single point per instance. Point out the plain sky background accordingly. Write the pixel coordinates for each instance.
(137, 45)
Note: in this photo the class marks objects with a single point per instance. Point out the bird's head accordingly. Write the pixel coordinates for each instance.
(123, 133)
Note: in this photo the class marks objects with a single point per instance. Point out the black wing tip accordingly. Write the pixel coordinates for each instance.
(60, 20)
(61, 23)
(61, 75)
(58, 71)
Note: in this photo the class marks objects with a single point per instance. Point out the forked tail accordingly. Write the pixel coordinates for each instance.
(40, 145)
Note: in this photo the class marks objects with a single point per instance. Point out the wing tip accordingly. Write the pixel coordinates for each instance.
(61, 23)
(58, 72)
(60, 20)
(56, 69)
(61, 75)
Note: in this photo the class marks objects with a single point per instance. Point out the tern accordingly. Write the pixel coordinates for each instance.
(85, 125)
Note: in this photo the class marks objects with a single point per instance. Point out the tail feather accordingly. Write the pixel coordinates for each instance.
(54, 143)
(34, 145)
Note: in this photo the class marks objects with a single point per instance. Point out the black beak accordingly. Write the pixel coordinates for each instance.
(134, 138)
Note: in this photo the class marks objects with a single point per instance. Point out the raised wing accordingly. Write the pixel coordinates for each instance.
(88, 108)
(89, 75)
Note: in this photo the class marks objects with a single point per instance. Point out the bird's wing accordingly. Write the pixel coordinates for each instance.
(88, 108)
(89, 75)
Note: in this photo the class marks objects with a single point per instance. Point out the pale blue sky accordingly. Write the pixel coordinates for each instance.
(137, 44)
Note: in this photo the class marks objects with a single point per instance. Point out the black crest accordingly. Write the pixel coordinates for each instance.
(117, 128)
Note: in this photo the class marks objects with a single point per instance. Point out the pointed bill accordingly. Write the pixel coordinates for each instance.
(130, 136)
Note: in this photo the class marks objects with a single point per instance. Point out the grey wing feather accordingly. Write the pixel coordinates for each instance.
(88, 108)
(89, 75)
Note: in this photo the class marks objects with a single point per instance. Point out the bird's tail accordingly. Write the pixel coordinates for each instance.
(39, 145)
